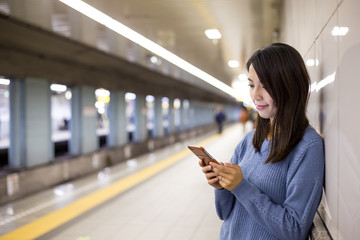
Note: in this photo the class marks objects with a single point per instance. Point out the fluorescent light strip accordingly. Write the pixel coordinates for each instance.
(146, 43)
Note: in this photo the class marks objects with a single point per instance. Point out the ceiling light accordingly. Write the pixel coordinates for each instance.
(146, 43)
(153, 59)
(165, 102)
(213, 34)
(177, 103)
(100, 92)
(68, 95)
(58, 87)
(4, 81)
(150, 98)
(339, 31)
(233, 64)
(99, 104)
(101, 110)
(130, 96)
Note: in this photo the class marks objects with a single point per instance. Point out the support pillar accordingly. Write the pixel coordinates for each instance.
(83, 121)
(185, 119)
(140, 118)
(180, 118)
(117, 105)
(30, 127)
(171, 116)
(159, 128)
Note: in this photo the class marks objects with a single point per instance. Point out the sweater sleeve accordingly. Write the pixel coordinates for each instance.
(224, 199)
(293, 218)
(224, 203)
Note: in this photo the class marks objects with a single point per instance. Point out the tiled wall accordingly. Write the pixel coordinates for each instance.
(333, 108)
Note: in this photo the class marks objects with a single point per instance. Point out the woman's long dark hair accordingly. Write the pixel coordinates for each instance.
(282, 72)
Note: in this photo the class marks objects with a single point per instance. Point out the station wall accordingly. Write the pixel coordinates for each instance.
(326, 34)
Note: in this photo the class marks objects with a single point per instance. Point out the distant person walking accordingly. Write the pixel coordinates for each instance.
(220, 118)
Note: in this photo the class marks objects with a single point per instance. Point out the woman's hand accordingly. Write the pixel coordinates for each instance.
(229, 175)
(210, 175)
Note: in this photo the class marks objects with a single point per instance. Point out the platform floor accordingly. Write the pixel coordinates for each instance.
(160, 195)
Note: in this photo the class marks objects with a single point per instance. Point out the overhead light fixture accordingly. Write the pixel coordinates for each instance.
(177, 103)
(99, 104)
(339, 31)
(233, 64)
(58, 87)
(130, 96)
(146, 43)
(155, 60)
(165, 102)
(213, 34)
(100, 92)
(4, 81)
(150, 98)
(68, 95)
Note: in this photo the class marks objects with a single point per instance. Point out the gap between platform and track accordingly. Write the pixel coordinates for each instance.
(59, 217)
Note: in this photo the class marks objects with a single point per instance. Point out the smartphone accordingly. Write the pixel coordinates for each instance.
(202, 154)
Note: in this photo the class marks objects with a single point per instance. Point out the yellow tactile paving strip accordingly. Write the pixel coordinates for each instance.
(55, 219)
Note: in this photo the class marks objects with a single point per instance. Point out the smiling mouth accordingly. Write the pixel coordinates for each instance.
(261, 107)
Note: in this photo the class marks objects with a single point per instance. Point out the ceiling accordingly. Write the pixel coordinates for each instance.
(179, 25)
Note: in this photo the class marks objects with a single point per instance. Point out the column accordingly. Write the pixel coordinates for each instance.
(158, 127)
(140, 118)
(117, 135)
(185, 119)
(171, 116)
(17, 125)
(192, 115)
(181, 117)
(30, 127)
(210, 114)
(83, 121)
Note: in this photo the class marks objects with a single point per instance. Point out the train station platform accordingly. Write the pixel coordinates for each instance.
(159, 195)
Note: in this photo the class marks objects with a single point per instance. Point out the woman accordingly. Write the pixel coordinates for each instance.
(272, 187)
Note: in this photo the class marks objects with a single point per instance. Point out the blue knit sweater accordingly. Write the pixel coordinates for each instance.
(273, 201)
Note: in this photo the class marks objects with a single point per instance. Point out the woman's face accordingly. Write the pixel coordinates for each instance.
(261, 98)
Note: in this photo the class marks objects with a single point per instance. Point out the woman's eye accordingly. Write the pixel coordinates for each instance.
(251, 85)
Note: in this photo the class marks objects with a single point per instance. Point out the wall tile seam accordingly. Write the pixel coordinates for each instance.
(327, 22)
